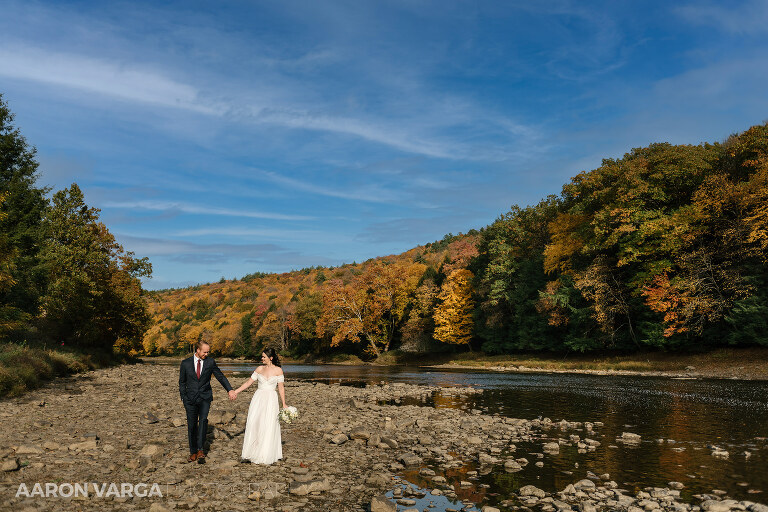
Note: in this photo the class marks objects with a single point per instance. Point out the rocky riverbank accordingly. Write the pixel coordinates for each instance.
(125, 426)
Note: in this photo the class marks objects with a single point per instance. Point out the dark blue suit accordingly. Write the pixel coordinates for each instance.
(197, 395)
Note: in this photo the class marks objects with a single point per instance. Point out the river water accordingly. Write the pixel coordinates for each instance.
(680, 421)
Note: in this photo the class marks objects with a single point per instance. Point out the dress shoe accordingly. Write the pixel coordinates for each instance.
(200, 457)
(192, 457)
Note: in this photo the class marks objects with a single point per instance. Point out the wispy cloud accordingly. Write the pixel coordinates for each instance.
(300, 235)
(123, 80)
(201, 210)
(372, 193)
(748, 17)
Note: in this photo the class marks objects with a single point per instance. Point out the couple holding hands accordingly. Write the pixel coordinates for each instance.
(261, 441)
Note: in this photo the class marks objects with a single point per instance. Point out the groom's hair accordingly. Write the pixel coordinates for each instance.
(200, 344)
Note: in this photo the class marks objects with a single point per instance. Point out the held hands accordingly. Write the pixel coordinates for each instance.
(232, 394)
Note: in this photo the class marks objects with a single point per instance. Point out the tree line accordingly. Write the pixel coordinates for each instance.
(64, 280)
(664, 248)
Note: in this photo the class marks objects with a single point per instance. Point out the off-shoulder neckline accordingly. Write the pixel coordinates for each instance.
(265, 378)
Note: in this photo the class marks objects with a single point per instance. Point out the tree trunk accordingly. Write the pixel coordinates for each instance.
(373, 345)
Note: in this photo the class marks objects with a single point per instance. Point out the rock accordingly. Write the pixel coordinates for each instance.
(512, 465)
(304, 488)
(360, 433)
(390, 442)
(409, 459)
(757, 507)
(178, 421)
(50, 445)
(339, 439)
(382, 504)
(28, 449)
(629, 438)
(551, 448)
(220, 417)
(10, 465)
(717, 506)
(720, 453)
(152, 451)
(675, 485)
(484, 458)
(148, 418)
(584, 484)
(530, 490)
(425, 440)
(378, 480)
(90, 444)
(157, 507)
(486, 508)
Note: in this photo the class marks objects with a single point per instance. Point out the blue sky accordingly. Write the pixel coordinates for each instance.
(224, 138)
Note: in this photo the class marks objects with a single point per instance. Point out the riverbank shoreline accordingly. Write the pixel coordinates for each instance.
(731, 363)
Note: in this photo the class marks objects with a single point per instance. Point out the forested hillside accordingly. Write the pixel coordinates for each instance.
(665, 247)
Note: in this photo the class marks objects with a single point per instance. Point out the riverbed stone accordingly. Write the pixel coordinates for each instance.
(717, 505)
(304, 488)
(12, 464)
(629, 438)
(531, 490)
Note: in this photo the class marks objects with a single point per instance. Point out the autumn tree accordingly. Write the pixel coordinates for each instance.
(371, 307)
(453, 315)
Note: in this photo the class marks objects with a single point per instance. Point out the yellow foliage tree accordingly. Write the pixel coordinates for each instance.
(453, 316)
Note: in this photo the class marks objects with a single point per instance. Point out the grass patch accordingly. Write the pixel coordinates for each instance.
(25, 368)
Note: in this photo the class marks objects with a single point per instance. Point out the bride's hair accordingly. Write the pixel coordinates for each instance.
(272, 355)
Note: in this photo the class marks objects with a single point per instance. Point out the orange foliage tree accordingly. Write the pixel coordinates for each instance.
(453, 315)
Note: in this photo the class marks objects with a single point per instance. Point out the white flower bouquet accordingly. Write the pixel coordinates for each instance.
(288, 414)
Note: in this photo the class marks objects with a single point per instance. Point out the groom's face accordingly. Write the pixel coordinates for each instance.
(202, 352)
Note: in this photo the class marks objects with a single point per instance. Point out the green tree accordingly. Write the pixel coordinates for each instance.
(23, 209)
(94, 296)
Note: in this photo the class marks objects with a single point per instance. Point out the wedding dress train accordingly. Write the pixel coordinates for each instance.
(261, 441)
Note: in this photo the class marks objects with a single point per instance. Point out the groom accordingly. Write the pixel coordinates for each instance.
(196, 394)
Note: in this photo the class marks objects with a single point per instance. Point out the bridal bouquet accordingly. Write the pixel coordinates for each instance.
(289, 414)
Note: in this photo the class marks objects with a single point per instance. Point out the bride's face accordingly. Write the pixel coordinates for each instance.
(264, 358)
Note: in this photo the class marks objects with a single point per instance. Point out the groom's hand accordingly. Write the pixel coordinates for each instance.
(232, 394)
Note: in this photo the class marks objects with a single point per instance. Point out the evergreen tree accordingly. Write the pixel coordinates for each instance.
(23, 208)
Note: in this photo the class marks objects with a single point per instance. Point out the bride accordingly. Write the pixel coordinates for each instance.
(261, 441)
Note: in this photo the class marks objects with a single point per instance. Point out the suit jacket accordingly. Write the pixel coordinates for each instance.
(193, 389)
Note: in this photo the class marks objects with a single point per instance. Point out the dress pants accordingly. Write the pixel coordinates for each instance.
(197, 423)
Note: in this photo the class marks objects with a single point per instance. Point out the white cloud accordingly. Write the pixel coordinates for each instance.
(125, 81)
(201, 210)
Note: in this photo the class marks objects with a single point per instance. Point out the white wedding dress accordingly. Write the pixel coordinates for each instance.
(261, 441)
